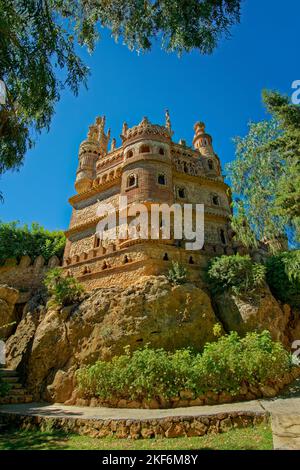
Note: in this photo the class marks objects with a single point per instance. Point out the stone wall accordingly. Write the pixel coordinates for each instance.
(125, 266)
(169, 427)
(187, 398)
(27, 274)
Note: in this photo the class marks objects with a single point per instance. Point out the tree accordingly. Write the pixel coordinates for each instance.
(265, 174)
(287, 196)
(181, 25)
(16, 241)
(39, 39)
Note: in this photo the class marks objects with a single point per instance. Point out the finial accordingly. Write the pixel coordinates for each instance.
(124, 129)
(199, 127)
(113, 145)
(93, 132)
(144, 121)
(168, 120)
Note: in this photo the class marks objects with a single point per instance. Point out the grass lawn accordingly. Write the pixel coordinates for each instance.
(252, 438)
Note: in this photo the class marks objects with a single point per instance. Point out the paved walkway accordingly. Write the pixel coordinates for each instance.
(285, 418)
(284, 411)
(87, 412)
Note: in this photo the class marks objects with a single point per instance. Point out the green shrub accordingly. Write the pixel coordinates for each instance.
(177, 274)
(33, 241)
(4, 387)
(223, 366)
(63, 290)
(283, 276)
(237, 273)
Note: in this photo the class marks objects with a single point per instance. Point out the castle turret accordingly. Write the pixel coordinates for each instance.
(203, 143)
(147, 167)
(90, 150)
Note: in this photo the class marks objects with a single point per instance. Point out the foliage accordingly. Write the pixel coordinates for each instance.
(265, 175)
(4, 387)
(38, 59)
(287, 195)
(283, 276)
(33, 241)
(223, 366)
(177, 274)
(63, 290)
(181, 26)
(235, 272)
(40, 39)
(217, 330)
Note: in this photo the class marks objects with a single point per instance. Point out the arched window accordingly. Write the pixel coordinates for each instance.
(129, 154)
(215, 200)
(222, 236)
(97, 242)
(161, 151)
(144, 149)
(161, 179)
(181, 193)
(166, 258)
(185, 167)
(210, 164)
(131, 181)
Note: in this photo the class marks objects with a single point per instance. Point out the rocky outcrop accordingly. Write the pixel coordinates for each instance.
(8, 299)
(258, 312)
(50, 344)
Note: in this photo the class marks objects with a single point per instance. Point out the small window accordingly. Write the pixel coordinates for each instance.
(210, 164)
(161, 179)
(161, 151)
(181, 193)
(145, 149)
(131, 181)
(129, 154)
(216, 200)
(222, 236)
(185, 168)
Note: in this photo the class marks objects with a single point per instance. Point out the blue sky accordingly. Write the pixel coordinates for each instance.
(223, 90)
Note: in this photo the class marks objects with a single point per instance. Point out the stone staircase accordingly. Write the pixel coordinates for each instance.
(17, 393)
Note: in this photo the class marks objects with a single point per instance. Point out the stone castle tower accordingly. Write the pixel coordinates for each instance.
(147, 168)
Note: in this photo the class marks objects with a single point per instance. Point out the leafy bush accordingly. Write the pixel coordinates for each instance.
(283, 276)
(33, 241)
(63, 290)
(223, 366)
(177, 274)
(4, 387)
(236, 272)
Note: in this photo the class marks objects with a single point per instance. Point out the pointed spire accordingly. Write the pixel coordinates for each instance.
(168, 120)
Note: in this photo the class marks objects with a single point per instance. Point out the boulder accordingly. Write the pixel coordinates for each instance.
(259, 311)
(8, 299)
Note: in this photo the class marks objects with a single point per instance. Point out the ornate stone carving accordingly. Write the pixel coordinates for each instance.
(113, 145)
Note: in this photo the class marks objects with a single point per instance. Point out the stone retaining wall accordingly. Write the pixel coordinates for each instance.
(186, 398)
(136, 429)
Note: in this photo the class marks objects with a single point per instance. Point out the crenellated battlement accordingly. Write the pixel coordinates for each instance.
(26, 274)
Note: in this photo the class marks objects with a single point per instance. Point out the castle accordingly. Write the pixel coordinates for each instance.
(147, 168)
